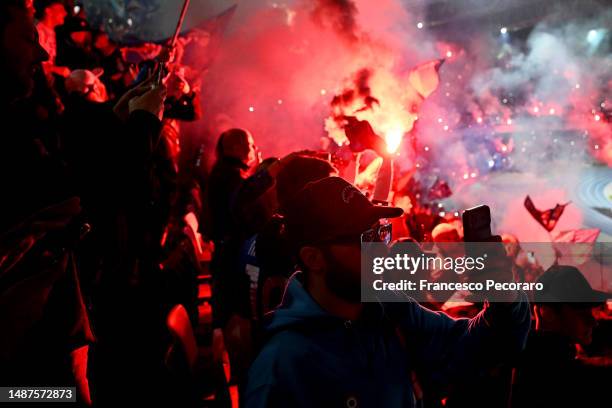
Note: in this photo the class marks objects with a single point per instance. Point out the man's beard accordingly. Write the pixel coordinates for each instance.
(342, 281)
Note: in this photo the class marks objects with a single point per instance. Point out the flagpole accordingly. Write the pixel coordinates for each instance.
(177, 31)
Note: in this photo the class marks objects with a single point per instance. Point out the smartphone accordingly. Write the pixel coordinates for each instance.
(477, 228)
(477, 224)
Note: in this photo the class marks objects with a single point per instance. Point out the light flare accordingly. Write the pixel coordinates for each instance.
(393, 138)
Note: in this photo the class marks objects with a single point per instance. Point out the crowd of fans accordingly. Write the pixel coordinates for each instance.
(107, 243)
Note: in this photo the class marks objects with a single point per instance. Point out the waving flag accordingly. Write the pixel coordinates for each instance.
(201, 42)
(425, 78)
(439, 190)
(575, 246)
(579, 236)
(548, 218)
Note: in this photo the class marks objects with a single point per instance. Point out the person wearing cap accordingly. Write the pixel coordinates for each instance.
(118, 73)
(326, 348)
(75, 45)
(267, 267)
(549, 372)
(86, 85)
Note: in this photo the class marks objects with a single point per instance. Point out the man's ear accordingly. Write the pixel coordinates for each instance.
(312, 258)
(546, 314)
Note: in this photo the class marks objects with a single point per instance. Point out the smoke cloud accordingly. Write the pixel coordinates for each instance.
(517, 112)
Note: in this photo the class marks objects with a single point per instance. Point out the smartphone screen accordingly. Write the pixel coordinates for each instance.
(477, 224)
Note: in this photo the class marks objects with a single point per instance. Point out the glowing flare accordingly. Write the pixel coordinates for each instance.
(393, 138)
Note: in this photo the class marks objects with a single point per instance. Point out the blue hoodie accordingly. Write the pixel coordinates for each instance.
(314, 359)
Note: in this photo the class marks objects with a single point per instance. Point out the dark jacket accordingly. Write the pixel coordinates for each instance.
(549, 374)
(314, 359)
(223, 184)
(229, 197)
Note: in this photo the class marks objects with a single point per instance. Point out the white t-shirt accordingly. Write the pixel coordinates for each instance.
(47, 40)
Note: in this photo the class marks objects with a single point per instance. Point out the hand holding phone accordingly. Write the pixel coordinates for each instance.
(477, 225)
(480, 242)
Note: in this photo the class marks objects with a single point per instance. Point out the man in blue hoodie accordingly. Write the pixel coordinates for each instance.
(327, 349)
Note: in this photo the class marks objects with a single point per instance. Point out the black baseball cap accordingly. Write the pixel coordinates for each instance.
(566, 284)
(76, 24)
(331, 208)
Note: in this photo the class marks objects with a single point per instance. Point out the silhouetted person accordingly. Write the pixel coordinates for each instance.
(326, 348)
(45, 327)
(235, 154)
(549, 373)
(50, 15)
(74, 45)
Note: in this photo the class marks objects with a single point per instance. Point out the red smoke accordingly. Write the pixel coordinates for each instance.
(339, 15)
